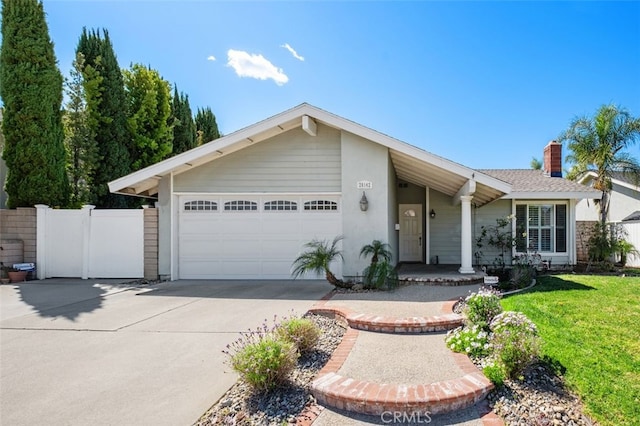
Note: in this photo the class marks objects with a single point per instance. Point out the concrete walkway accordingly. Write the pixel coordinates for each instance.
(76, 352)
(410, 365)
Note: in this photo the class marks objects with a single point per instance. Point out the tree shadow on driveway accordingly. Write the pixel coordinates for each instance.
(53, 298)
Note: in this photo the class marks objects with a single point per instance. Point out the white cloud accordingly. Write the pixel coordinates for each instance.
(293, 52)
(255, 66)
(211, 58)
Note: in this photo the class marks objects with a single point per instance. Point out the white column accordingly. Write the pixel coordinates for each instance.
(466, 249)
(41, 238)
(86, 239)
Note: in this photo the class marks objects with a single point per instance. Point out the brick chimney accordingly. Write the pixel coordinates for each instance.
(552, 165)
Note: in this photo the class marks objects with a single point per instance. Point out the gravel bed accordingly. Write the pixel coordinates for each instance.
(539, 399)
(240, 406)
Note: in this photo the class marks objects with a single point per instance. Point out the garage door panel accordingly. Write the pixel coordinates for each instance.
(200, 268)
(280, 248)
(241, 223)
(274, 268)
(249, 244)
(241, 267)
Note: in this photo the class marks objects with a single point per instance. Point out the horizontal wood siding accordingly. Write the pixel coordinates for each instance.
(444, 230)
(291, 162)
(151, 244)
(486, 216)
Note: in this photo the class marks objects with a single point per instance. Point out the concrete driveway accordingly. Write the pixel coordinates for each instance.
(76, 352)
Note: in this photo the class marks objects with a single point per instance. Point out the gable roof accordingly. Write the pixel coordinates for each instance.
(632, 217)
(411, 164)
(535, 184)
(627, 180)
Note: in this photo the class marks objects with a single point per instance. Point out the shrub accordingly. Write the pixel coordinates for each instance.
(380, 275)
(515, 341)
(473, 341)
(494, 370)
(265, 364)
(481, 307)
(261, 358)
(300, 331)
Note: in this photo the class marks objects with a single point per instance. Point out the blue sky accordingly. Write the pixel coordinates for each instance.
(486, 84)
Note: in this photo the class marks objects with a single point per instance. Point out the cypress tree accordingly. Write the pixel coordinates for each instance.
(109, 118)
(31, 90)
(80, 138)
(184, 130)
(206, 126)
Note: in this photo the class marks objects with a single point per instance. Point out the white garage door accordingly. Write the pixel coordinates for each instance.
(248, 236)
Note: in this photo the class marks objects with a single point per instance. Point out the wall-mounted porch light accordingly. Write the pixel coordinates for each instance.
(432, 214)
(364, 203)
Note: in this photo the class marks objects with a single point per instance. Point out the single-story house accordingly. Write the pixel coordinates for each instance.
(624, 201)
(244, 205)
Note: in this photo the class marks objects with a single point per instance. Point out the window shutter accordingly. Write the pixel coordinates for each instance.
(521, 228)
(561, 228)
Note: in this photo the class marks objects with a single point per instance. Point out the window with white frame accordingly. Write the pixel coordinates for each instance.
(541, 228)
(280, 205)
(241, 205)
(200, 205)
(320, 205)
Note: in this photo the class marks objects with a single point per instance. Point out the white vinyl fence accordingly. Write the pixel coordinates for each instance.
(632, 230)
(90, 243)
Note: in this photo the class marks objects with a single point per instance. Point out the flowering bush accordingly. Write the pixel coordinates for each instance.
(473, 341)
(494, 370)
(481, 307)
(300, 331)
(261, 358)
(515, 341)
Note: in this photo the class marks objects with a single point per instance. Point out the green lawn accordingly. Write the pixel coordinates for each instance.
(591, 327)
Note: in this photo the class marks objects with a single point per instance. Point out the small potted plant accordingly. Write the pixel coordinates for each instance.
(15, 275)
(4, 276)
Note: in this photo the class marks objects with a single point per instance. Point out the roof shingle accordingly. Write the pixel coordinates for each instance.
(529, 180)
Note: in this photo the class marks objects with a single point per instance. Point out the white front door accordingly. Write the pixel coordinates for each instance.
(411, 233)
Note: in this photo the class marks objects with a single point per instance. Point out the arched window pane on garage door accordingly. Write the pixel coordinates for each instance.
(200, 205)
(280, 205)
(320, 205)
(240, 205)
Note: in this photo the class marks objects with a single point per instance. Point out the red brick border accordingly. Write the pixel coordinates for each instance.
(374, 399)
(388, 324)
(331, 389)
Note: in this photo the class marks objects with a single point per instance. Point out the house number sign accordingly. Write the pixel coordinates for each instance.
(365, 184)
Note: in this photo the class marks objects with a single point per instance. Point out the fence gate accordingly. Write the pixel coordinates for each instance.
(633, 236)
(90, 243)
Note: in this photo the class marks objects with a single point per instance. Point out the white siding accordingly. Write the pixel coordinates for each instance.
(290, 162)
(624, 201)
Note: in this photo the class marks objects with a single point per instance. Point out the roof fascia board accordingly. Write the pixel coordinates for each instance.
(574, 195)
(586, 177)
(395, 144)
(166, 166)
(217, 146)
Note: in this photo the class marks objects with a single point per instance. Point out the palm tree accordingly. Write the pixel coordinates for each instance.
(377, 250)
(317, 259)
(536, 163)
(599, 144)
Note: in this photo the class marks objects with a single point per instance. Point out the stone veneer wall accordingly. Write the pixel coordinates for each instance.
(584, 231)
(19, 224)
